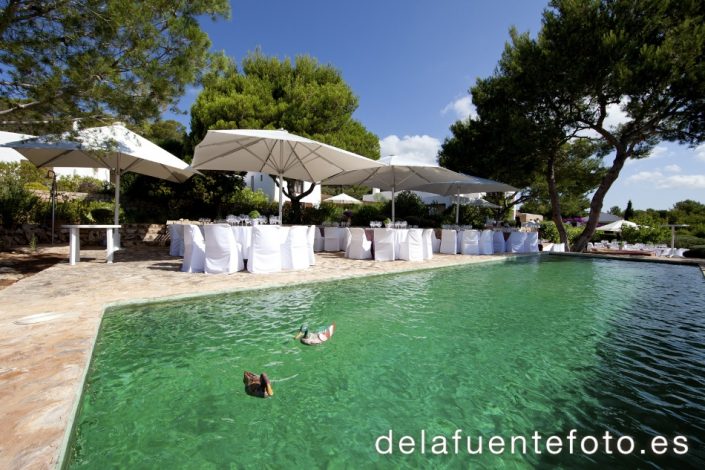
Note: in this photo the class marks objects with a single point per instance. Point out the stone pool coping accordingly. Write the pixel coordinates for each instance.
(50, 322)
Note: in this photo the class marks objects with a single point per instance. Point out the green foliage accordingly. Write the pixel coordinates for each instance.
(695, 252)
(254, 214)
(366, 213)
(629, 211)
(304, 97)
(615, 210)
(650, 230)
(323, 213)
(245, 201)
(80, 184)
(548, 231)
(588, 57)
(36, 186)
(16, 203)
(686, 241)
(107, 59)
(408, 204)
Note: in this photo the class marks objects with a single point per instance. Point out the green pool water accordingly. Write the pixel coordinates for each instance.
(500, 349)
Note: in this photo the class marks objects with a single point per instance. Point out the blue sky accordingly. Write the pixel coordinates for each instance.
(411, 64)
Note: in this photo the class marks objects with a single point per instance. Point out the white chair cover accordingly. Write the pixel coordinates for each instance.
(531, 245)
(486, 242)
(318, 240)
(194, 250)
(427, 242)
(265, 250)
(384, 241)
(558, 248)
(176, 237)
(449, 242)
(360, 247)
(311, 234)
(470, 242)
(243, 235)
(515, 243)
(223, 253)
(411, 249)
(294, 250)
(436, 242)
(498, 244)
(344, 234)
(680, 251)
(331, 240)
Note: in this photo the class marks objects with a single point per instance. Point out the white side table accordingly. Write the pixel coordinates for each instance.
(75, 241)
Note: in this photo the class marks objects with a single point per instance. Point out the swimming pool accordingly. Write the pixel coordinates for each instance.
(503, 349)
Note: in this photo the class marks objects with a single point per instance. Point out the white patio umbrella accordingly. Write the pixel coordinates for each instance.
(275, 153)
(342, 198)
(113, 147)
(469, 184)
(616, 226)
(397, 173)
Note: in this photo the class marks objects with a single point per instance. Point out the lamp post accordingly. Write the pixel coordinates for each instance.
(51, 174)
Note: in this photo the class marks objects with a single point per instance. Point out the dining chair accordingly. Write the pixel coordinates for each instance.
(194, 250)
(294, 250)
(531, 245)
(449, 242)
(384, 241)
(486, 242)
(411, 249)
(223, 253)
(360, 247)
(176, 237)
(427, 237)
(265, 250)
(498, 243)
(515, 243)
(470, 242)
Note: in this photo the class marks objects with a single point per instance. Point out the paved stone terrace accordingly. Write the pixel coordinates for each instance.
(49, 322)
(44, 358)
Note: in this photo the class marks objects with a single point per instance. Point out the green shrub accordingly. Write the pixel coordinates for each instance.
(408, 204)
(688, 241)
(695, 252)
(17, 204)
(549, 231)
(367, 213)
(36, 185)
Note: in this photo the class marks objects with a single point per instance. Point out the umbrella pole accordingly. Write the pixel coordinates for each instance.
(673, 241)
(457, 208)
(281, 196)
(116, 218)
(393, 204)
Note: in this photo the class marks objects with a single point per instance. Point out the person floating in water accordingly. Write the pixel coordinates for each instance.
(321, 336)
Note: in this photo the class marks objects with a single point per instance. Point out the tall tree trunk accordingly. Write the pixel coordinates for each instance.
(599, 197)
(295, 215)
(555, 201)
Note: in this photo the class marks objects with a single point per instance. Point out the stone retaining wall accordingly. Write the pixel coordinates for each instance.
(130, 235)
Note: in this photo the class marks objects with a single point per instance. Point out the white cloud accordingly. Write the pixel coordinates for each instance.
(700, 152)
(661, 181)
(672, 168)
(659, 151)
(462, 107)
(418, 147)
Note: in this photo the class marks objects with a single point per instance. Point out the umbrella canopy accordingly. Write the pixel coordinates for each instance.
(396, 174)
(8, 154)
(343, 198)
(468, 184)
(617, 226)
(113, 147)
(276, 153)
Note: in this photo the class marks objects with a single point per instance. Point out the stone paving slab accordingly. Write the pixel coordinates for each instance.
(49, 323)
